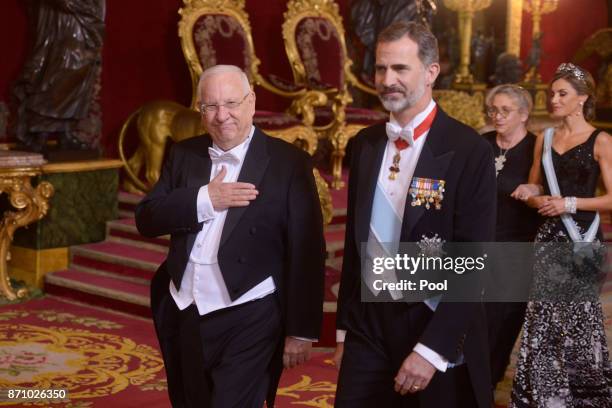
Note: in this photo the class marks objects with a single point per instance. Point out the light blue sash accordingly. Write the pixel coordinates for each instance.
(385, 223)
(386, 226)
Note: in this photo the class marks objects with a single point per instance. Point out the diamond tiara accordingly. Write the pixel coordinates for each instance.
(576, 72)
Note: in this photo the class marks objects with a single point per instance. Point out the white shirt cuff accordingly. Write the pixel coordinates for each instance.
(434, 358)
(340, 336)
(206, 212)
(305, 339)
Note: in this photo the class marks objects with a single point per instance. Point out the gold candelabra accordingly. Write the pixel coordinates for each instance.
(537, 8)
(465, 11)
(514, 22)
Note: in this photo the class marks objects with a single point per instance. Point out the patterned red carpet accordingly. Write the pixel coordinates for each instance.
(108, 359)
(102, 359)
(105, 359)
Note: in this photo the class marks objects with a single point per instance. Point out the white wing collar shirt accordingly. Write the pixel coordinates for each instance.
(202, 281)
(396, 191)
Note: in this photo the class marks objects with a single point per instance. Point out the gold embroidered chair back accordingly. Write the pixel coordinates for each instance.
(315, 44)
(218, 32)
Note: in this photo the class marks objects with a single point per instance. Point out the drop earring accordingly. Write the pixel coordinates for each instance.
(579, 113)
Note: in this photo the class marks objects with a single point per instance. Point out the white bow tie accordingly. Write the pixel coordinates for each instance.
(395, 132)
(218, 156)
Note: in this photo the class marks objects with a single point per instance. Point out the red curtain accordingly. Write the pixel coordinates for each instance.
(565, 29)
(142, 58)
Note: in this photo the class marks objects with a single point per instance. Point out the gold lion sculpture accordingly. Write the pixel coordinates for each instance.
(156, 121)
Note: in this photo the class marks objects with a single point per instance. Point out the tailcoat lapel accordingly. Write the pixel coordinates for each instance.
(370, 160)
(252, 171)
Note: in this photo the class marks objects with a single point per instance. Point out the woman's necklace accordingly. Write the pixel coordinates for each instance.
(500, 160)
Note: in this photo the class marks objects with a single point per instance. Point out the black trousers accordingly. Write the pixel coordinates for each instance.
(504, 320)
(220, 360)
(374, 352)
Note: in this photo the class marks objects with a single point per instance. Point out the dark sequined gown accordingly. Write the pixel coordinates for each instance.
(563, 359)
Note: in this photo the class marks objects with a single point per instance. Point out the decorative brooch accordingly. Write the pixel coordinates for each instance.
(428, 192)
(431, 246)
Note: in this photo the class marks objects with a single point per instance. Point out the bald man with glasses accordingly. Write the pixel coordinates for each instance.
(240, 293)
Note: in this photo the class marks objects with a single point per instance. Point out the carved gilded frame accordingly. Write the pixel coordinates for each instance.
(297, 10)
(31, 204)
(303, 99)
(337, 131)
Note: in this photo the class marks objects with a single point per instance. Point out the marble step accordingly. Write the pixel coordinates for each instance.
(119, 258)
(100, 290)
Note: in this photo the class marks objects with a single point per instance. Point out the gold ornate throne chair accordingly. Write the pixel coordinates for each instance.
(216, 32)
(316, 48)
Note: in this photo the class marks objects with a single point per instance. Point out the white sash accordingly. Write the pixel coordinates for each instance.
(553, 185)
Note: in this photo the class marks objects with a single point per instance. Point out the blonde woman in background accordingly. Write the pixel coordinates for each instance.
(508, 107)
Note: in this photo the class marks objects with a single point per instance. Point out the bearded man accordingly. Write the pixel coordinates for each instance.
(424, 354)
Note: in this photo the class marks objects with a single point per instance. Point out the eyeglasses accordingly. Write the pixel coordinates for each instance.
(504, 112)
(229, 105)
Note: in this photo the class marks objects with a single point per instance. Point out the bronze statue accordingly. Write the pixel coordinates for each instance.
(58, 87)
(533, 60)
(369, 17)
(508, 69)
(483, 49)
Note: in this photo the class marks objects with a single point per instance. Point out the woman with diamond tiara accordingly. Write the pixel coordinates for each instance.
(508, 107)
(563, 358)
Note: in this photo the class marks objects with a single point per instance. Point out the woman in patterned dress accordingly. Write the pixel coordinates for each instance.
(563, 359)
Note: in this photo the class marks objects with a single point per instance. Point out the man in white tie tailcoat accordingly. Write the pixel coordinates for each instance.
(393, 353)
(241, 290)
